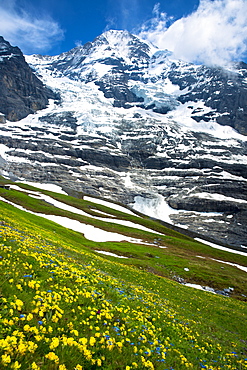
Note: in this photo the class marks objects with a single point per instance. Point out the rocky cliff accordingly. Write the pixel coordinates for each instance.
(21, 92)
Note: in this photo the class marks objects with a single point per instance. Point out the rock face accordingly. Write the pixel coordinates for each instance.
(223, 91)
(134, 125)
(21, 92)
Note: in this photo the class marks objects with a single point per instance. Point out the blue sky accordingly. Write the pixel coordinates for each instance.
(203, 31)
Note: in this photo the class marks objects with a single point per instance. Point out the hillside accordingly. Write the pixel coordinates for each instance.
(65, 305)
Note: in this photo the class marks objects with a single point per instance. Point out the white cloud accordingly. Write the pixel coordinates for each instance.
(78, 43)
(31, 33)
(214, 34)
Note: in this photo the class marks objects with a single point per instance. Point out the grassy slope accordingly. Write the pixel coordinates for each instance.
(136, 319)
(180, 252)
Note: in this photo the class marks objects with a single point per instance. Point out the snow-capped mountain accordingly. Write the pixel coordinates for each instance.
(130, 123)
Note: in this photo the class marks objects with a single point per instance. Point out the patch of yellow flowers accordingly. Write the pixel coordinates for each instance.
(57, 313)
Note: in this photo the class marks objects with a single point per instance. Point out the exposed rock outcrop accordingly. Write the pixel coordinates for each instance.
(21, 92)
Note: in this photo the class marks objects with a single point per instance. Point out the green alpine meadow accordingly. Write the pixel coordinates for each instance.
(86, 286)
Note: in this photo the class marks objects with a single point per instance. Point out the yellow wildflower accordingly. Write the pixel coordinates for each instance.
(38, 338)
(92, 341)
(32, 346)
(53, 357)
(16, 365)
(26, 327)
(34, 366)
(29, 316)
(54, 343)
(6, 360)
(83, 341)
(21, 348)
(19, 304)
(99, 362)
(78, 367)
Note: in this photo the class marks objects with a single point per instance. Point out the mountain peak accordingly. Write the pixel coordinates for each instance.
(124, 44)
(4, 44)
(113, 36)
(8, 50)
